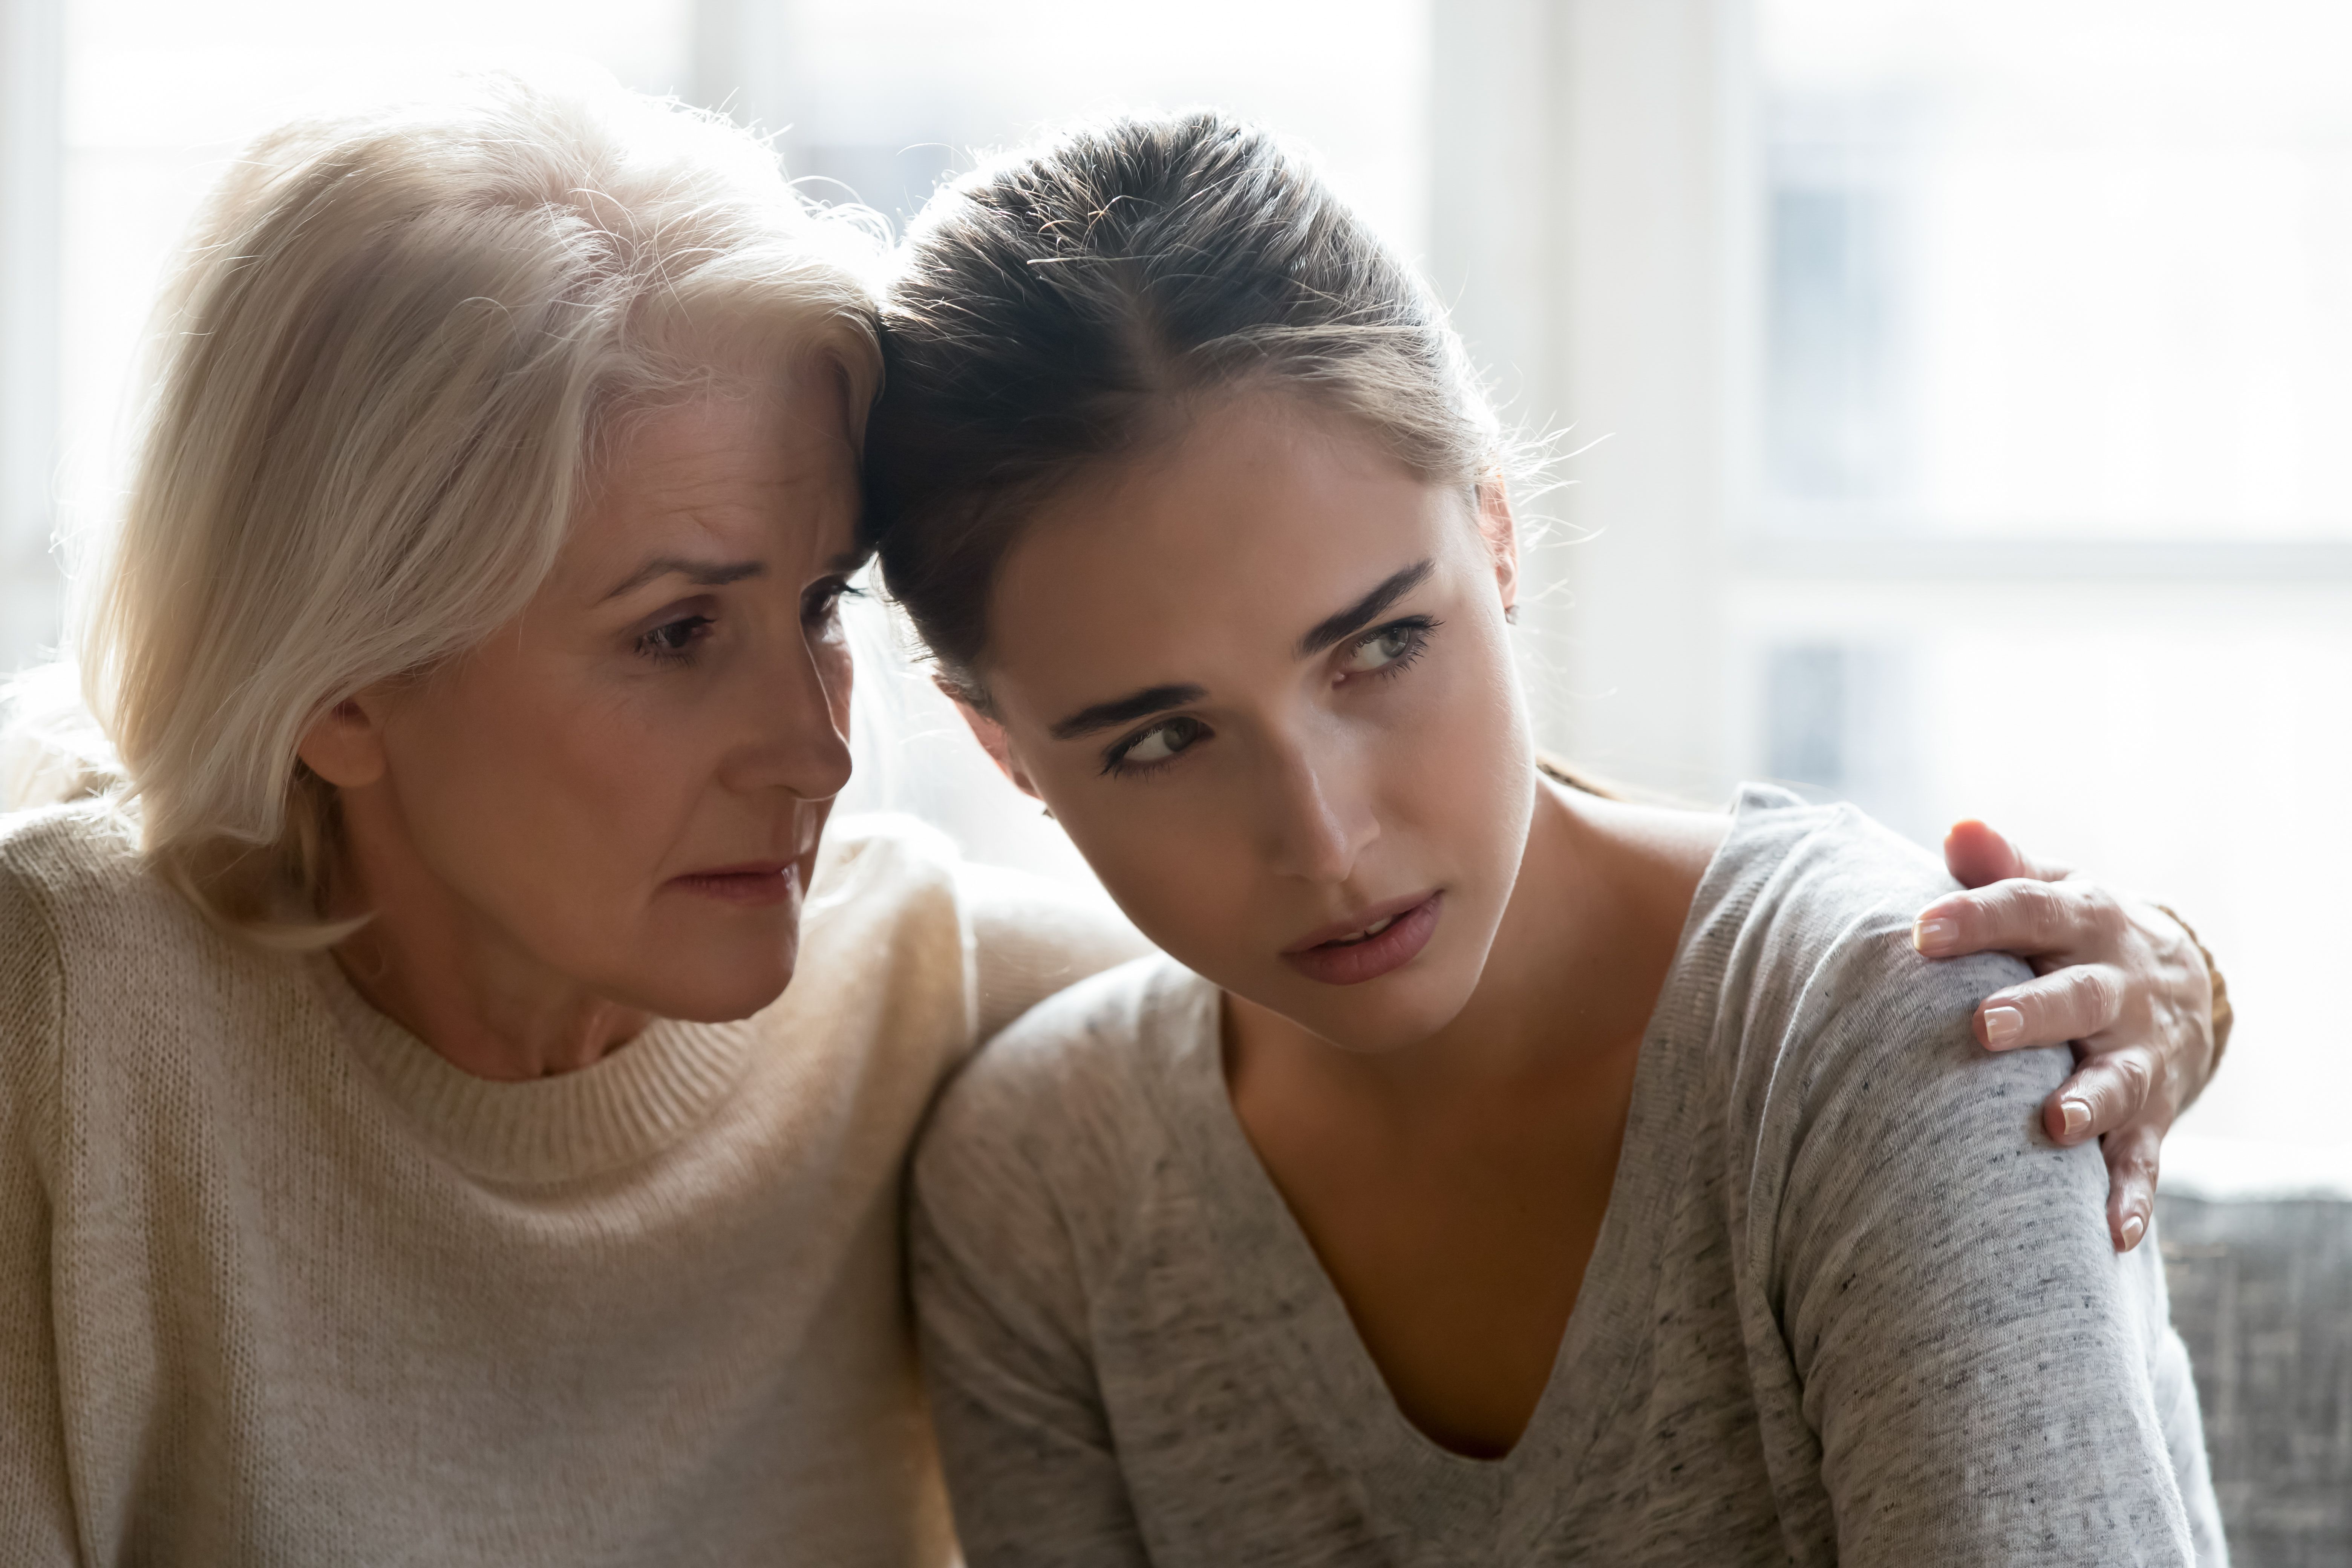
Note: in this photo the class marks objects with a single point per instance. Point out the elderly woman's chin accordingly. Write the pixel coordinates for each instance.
(712, 954)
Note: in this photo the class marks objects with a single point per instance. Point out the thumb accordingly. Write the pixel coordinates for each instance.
(1976, 855)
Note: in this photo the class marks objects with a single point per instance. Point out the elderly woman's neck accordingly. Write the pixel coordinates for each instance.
(447, 972)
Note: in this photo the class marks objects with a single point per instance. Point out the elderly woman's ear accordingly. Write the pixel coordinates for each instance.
(345, 746)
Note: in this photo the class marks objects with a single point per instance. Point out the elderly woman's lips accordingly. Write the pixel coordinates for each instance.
(761, 883)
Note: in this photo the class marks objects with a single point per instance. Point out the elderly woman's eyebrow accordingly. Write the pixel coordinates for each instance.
(1356, 617)
(701, 574)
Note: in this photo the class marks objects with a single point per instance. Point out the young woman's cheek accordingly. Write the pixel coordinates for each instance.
(1462, 765)
(1175, 853)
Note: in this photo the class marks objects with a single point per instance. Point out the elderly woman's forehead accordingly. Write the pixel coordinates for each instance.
(782, 436)
(738, 473)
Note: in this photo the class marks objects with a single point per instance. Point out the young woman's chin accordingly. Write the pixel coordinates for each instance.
(1374, 1016)
(1378, 1018)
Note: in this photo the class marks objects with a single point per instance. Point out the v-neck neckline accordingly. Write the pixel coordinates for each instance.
(1292, 1317)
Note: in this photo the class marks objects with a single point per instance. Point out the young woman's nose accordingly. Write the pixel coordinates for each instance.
(795, 708)
(1319, 823)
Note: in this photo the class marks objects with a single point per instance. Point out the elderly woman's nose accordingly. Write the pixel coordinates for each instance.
(1317, 819)
(794, 712)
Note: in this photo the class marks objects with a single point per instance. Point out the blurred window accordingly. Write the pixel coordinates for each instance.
(161, 94)
(2050, 516)
(884, 97)
(2080, 269)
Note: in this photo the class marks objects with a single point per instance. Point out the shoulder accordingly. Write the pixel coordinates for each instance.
(885, 893)
(1031, 936)
(1082, 1067)
(1925, 1278)
(1068, 1101)
(74, 873)
(1835, 1045)
(884, 971)
(1850, 1069)
(82, 848)
(1805, 915)
(82, 924)
(883, 854)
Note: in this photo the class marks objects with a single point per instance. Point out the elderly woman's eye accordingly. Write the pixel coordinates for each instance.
(1387, 648)
(1159, 744)
(674, 639)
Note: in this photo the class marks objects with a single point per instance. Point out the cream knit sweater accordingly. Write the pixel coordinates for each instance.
(279, 1285)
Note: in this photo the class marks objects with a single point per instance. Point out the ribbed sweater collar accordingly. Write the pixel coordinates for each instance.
(634, 1103)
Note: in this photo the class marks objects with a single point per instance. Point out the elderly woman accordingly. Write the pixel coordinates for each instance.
(453, 1094)
(471, 647)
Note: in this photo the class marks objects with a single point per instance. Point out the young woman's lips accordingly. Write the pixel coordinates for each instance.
(1337, 961)
(758, 884)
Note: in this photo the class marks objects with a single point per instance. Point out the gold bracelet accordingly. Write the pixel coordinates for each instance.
(2223, 1015)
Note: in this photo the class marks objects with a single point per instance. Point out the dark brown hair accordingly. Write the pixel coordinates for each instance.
(1049, 310)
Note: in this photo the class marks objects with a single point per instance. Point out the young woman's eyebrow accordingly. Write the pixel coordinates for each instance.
(1323, 633)
(1126, 709)
(1332, 629)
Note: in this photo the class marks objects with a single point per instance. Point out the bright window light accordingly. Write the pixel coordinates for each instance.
(2044, 269)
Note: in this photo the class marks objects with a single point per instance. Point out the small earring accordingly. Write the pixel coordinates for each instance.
(1048, 811)
(1510, 615)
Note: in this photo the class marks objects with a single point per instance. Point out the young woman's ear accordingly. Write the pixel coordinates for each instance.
(345, 746)
(1502, 536)
(993, 740)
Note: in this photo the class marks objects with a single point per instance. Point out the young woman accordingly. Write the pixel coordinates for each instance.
(1493, 1171)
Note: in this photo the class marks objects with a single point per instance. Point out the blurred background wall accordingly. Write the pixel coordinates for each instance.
(1954, 397)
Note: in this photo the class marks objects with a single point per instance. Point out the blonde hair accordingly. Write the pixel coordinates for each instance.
(391, 355)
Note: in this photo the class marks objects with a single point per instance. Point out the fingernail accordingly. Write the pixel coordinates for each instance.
(1934, 935)
(2003, 1025)
(2077, 1116)
(2134, 1227)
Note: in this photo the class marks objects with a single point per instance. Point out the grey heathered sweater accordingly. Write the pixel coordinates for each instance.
(1848, 1303)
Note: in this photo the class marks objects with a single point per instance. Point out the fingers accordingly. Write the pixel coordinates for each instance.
(2064, 1005)
(2022, 916)
(2107, 1093)
(2104, 1100)
(2131, 1157)
(1976, 855)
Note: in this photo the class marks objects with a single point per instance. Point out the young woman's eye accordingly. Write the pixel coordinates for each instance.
(675, 640)
(822, 600)
(1389, 649)
(1157, 744)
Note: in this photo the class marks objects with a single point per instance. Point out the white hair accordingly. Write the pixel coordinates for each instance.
(389, 357)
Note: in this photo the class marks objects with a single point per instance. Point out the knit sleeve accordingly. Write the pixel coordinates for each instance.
(1024, 1436)
(1034, 937)
(1982, 1373)
(37, 1526)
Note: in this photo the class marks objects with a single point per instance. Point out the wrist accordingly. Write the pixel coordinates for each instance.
(2223, 1015)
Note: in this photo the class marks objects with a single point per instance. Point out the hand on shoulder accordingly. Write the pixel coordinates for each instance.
(2121, 981)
